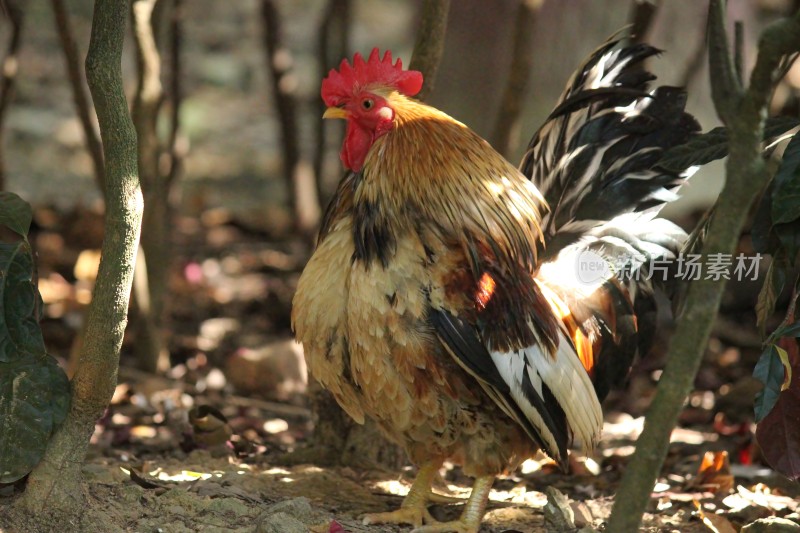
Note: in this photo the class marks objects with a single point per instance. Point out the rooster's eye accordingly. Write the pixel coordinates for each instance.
(367, 104)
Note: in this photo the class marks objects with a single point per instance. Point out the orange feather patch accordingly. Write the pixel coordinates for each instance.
(582, 344)
(485, 291)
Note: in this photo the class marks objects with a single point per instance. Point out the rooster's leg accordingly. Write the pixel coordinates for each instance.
(470, 521)
(414, 509)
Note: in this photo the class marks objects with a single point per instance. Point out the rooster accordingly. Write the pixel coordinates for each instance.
(447, 299)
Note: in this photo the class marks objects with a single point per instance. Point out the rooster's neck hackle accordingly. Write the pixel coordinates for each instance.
(430, 167)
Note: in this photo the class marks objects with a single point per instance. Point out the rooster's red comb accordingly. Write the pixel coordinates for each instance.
(341, 84)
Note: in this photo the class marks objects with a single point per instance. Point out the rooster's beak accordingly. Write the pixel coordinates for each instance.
(334, 112)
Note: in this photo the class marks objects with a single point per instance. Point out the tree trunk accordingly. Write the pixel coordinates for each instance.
(151, 281)
(53, 500)
(743, 112)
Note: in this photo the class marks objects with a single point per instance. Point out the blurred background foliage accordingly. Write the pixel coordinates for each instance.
(231, 125)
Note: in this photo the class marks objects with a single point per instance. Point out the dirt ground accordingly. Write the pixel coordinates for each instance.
(209, 447)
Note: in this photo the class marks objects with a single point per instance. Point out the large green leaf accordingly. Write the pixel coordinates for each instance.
(712, 145)
(786, 193)
(20, 334)
(780, 238)
(789, 330)
(770, 291)
(15, 213)
(34, 398)
(778, 434)
(770, 371)
(34, 390)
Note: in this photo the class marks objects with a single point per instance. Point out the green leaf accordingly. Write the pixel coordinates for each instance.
(34, 390)
(770, 371)
(15, 213)
(712, 145)
(788, 235)
(778, 434)
(764, 239)
(789, 330)
(786, 193)
(772, 288)
(20, 334)
(34, 399)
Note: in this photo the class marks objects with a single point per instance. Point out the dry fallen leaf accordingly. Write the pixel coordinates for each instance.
(714, 522)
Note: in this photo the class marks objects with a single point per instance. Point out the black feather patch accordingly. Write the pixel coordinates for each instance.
(596, 156)
(464, 343)
(341, 202)
(552, 414)
(372, 234)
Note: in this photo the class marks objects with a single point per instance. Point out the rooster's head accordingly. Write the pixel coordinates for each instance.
(359, 94)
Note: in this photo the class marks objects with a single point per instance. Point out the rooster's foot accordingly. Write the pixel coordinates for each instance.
(415, 515)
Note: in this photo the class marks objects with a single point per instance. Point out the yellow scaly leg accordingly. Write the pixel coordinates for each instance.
(414, 509)
(470, 521)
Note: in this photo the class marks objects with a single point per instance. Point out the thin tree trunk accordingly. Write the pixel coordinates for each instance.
(743, 112)
(332, 47)
(76, 77)
(429, 46)
(176, 144)
(298, 174)
(151, 283)
(8, 76)
(53, 499)
(641, 18)
(506, 130)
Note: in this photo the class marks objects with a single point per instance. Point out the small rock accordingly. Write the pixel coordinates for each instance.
(276, 370)
(280, 522)
(583, 516)
(558, 515)
(289, 516)
(228, 506)
(296, 506)
(772, 524)
(176, 510)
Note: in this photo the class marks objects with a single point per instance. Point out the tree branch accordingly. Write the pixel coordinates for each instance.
(642, 14)
(76, 77)
(177, 149)
(10, 67)
(738, 51)
(746, 177)
(506, 129)
(150, 279)
(726, 90)
(332, 46)
(297, 174)
(429, 46)
(51, 489)
(696, 59)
